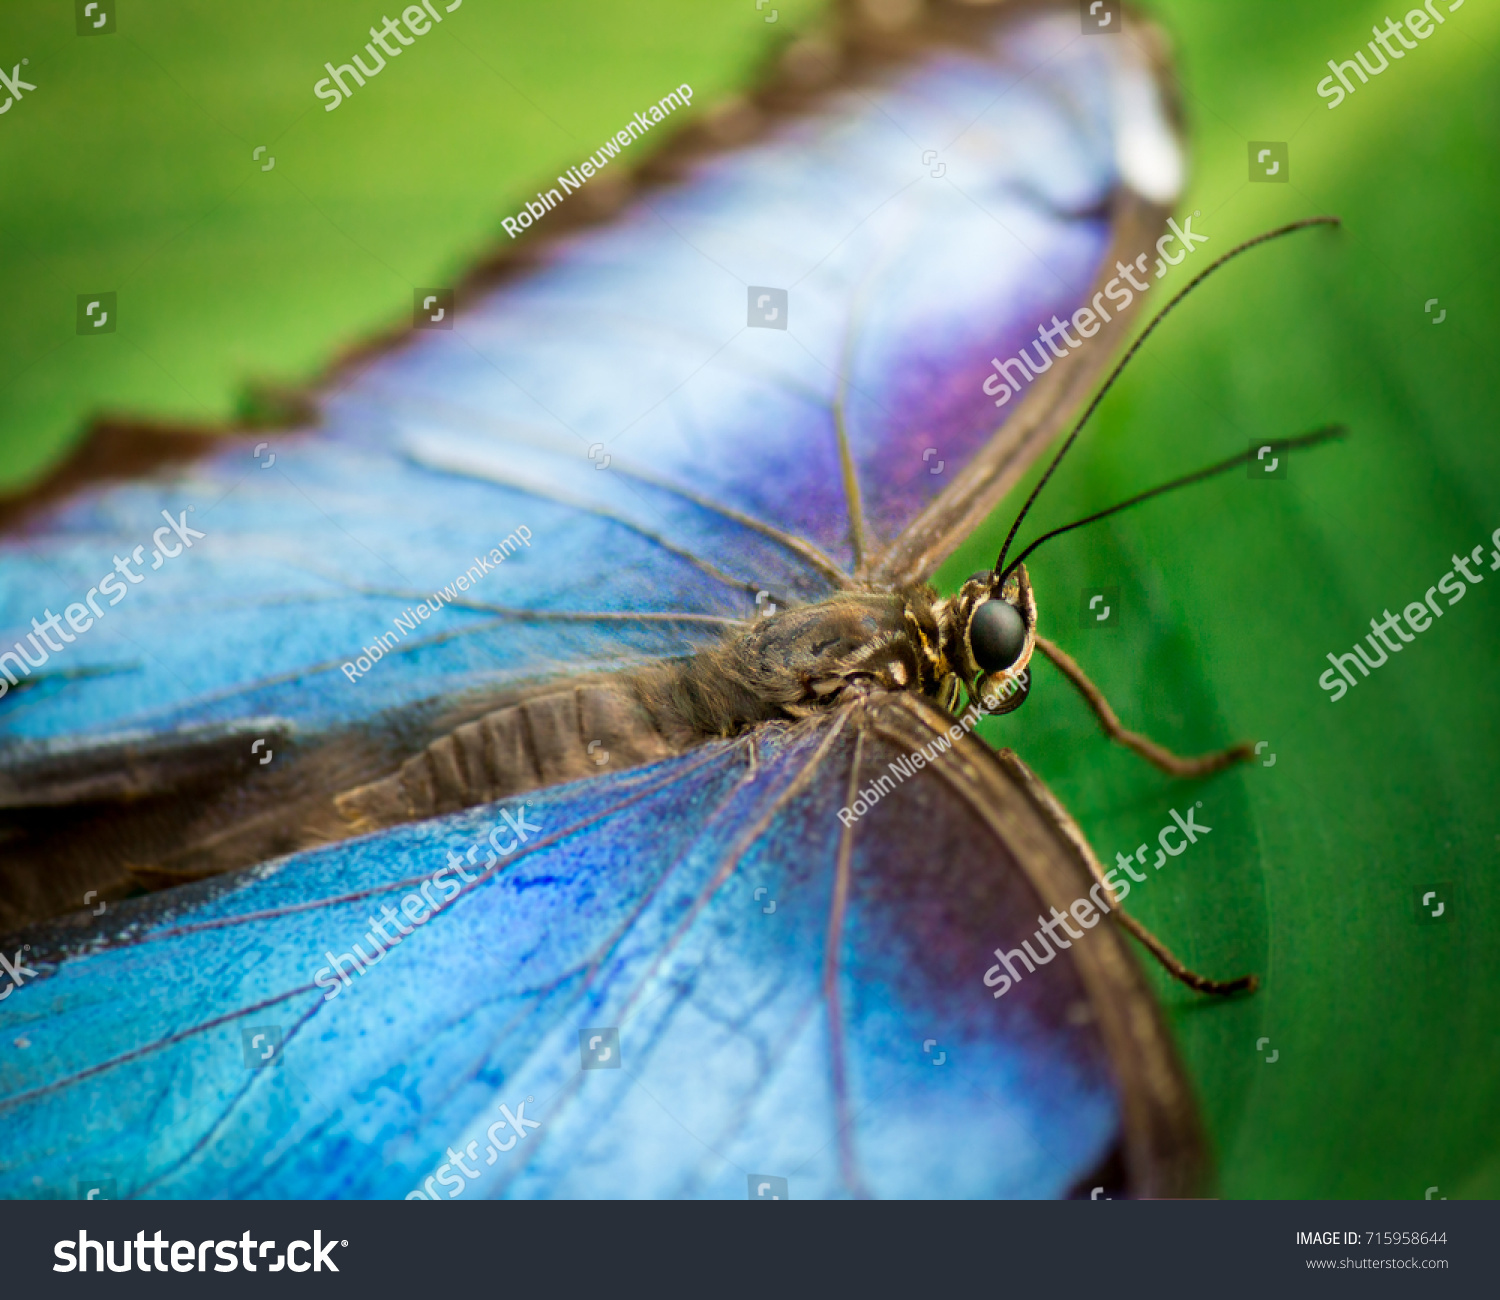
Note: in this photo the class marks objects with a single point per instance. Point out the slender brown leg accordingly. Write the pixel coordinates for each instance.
(1165, 759)
(1169, 962)
(1064, 822)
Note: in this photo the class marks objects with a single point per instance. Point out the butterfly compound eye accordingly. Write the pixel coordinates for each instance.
(997, 635)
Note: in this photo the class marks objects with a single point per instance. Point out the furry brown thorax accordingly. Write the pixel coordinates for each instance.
(812, 658)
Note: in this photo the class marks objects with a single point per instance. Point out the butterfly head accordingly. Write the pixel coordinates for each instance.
(989, 634)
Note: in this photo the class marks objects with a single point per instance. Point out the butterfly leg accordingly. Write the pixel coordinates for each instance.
(1064, 822)
(1170, 963)
(1157, 755)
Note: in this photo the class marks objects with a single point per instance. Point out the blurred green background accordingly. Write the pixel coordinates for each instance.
(130, 169)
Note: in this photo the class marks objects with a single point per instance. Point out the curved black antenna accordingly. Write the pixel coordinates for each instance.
(1135, 347)
(1281, 448)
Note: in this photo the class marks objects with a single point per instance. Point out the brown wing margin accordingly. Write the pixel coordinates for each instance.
(1163, 1150)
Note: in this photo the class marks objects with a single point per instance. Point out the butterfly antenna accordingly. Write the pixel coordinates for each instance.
(1135, 347)
(1254, 453)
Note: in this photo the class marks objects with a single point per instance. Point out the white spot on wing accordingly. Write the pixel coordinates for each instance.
(1146, 148)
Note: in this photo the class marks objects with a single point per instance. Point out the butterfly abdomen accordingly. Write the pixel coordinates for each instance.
(550, 738)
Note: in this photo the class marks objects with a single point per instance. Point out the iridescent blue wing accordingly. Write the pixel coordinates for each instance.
(685, 975)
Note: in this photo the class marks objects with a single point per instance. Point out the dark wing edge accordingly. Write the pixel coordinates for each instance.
(1165, 1153)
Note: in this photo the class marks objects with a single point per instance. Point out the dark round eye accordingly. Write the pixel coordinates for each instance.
(997, 633)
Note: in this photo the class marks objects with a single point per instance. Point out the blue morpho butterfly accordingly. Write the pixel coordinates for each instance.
(669, 669)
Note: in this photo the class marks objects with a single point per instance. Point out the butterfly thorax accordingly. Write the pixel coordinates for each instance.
(812, 658)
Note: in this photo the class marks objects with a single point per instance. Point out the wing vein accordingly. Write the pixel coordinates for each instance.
(848, 1164)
